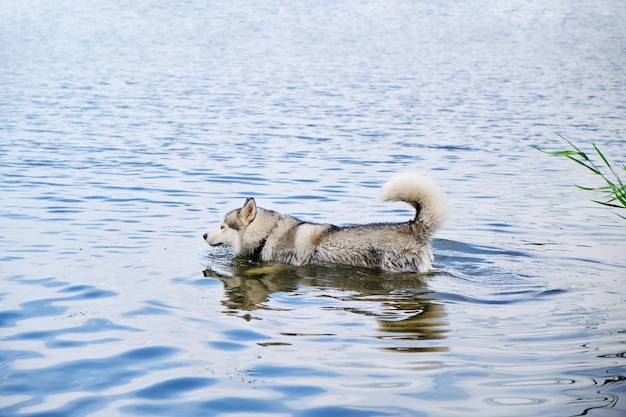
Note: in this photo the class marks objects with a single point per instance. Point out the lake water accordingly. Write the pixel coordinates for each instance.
(128, 128)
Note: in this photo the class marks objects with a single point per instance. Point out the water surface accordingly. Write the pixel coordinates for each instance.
(128, 129)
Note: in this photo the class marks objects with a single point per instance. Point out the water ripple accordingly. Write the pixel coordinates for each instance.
(503, 298)
(173, 388)
(89, 374)
(90, 326)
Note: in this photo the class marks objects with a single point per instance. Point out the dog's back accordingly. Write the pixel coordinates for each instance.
(391, 247)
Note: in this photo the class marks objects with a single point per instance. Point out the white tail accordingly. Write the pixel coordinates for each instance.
(423, 194)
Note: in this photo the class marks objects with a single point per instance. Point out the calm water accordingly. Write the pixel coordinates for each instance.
(128, 128)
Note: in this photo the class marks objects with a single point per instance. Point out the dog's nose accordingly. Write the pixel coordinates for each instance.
(204, 236)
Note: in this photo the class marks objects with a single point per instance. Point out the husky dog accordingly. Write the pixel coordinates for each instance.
(257, 233)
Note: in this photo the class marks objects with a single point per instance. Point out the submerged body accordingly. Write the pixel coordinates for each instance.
(399, 247)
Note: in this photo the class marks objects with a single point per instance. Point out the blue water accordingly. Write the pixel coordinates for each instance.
(128, 128)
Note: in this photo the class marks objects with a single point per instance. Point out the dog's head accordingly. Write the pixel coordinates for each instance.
(232, 228)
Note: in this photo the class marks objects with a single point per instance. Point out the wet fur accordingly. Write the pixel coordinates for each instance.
(263, 234)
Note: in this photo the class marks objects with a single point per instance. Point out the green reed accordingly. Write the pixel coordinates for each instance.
(614, 188)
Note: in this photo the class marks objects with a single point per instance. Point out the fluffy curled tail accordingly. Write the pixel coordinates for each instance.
(423, 194)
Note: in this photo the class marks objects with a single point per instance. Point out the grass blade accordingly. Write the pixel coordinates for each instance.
(614, 189)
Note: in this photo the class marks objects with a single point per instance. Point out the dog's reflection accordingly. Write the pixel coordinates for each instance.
(401, 303)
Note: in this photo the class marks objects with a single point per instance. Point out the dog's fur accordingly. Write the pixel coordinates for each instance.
(258, 233)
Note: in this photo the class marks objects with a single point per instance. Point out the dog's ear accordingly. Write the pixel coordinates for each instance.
(248, 211)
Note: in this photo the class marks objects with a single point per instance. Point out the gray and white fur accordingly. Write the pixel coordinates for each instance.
(255, 232)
